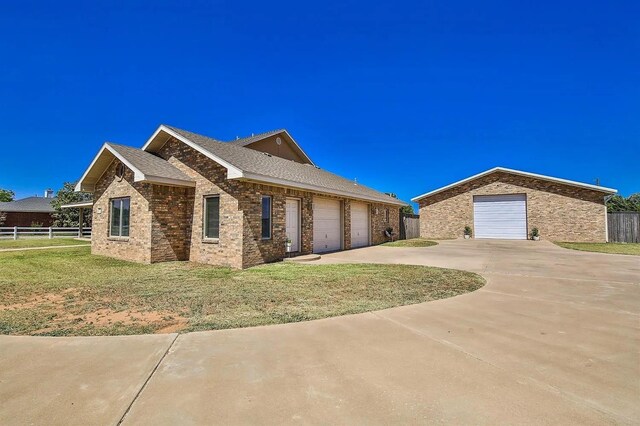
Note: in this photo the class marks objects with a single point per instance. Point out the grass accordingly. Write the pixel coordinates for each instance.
(70, 292)
(39, 242)
(414, 242)
(611, 248)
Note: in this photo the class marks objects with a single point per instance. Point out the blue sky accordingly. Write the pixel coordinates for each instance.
(405, 97)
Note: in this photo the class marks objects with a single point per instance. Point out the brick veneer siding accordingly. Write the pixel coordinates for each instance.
(137, 247)
(171, 209)
(211, 179)
(561, 212)
(27, 219)
(379, 222)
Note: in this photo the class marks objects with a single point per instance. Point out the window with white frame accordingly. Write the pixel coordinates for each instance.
(386, 215)
(120, 212)
(266, 217)
(212, 216)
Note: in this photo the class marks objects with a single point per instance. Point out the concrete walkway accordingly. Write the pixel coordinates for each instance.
(553, 338)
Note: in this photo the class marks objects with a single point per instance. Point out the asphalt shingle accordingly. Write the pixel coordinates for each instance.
(149, 164)
(258, 163)
(29, 204)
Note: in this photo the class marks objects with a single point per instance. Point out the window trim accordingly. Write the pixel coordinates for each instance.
(119, 236)
(387, 215)
(204, 218)
(262, 197)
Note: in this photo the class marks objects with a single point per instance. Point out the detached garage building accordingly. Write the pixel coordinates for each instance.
(507, 204)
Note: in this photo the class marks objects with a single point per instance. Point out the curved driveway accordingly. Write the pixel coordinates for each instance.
(553, 338)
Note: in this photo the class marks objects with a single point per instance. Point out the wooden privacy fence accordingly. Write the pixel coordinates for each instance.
(409, 226)
(16, 232)
(624, 227)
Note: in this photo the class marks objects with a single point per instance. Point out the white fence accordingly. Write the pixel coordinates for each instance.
(16, 232)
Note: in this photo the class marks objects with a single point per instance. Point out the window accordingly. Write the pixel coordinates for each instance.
(386, 215)
(266, 217)
(120, 212)
(212, 217)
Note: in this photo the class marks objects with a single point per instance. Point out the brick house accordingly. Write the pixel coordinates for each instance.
(507, 204)
(185, 196)
(29, 211)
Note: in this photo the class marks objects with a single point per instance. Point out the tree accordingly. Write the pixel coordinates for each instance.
(406, 210)
(6, 195)
(618, 203)
(70, 217)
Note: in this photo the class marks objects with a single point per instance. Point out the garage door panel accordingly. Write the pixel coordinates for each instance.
(500, 216)
(359, 224)
(327, 225)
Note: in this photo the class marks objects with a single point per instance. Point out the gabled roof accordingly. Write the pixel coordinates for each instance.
(248, 164)
(255, 138)
(145, 166)
(520, 173)
(29, 205)
(261, 136)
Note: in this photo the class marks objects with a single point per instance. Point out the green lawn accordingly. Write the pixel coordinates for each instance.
(611, 248)
(414, 242)
(39, 242)
(70, 292)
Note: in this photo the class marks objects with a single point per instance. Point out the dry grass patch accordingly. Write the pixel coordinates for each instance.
(71, 292)
(413, 242)
(611, 248)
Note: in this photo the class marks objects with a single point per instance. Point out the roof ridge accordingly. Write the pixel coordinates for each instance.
(286, 169)
(259, 135)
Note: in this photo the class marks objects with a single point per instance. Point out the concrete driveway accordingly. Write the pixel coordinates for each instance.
(553, 338)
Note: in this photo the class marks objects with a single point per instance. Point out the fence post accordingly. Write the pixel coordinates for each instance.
(15, 232)
(50, 232)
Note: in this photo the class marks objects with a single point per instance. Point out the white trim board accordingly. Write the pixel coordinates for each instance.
(520, 173)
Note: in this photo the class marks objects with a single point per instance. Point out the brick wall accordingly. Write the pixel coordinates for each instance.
(560, 212)
(137, 247)
(379, 222)
(28, 218)
(210, 180)
(171, 209)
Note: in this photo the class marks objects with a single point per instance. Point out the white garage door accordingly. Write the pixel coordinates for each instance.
(500, 216)
(359, 225)
(327, 226)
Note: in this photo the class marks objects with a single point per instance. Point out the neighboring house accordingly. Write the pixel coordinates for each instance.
(29, 211)
(508, 204)
(184, 196)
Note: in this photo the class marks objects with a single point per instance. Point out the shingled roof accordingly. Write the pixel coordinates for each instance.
(145, 166)
(148, 164)
(29, 205)
(254, 165)
(254, 138)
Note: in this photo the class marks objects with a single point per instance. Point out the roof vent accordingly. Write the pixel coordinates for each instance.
(48, 193)
(355, 181)
(278, 140)
(267, 154)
